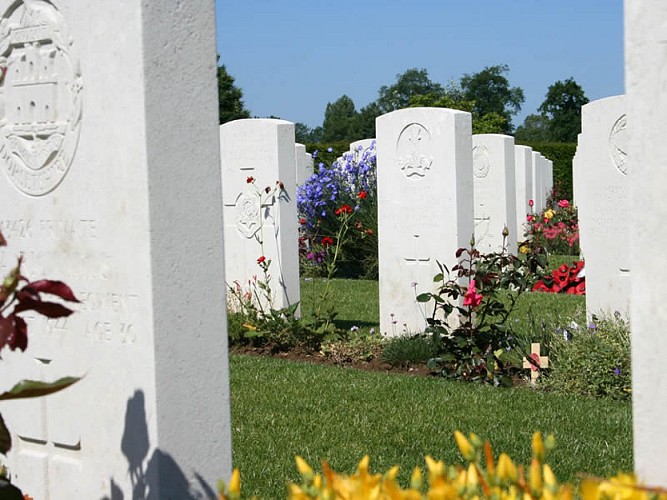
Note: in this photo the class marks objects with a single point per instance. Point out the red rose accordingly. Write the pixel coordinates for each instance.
(261, 259)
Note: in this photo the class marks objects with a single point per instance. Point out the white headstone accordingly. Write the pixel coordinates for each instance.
(550, 178)
(645, 63)
(264, 150)
(110, 165)
(304, 164)
(425, 207)
(361, 145)
(604, 210)
(538, 183)
(523, 161)
(495, 192)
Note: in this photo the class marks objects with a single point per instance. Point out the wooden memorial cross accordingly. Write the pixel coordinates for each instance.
(536, 362)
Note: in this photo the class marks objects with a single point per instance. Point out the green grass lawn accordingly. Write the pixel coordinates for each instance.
(281, 409)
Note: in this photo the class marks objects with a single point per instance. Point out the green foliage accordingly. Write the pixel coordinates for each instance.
(405, 351)
(413, 82)
(592, 360)
(490, 123)
(230, 98)
(535, 128)
(561, 155)
(320, 411)
(562, 108)
(304, 134)
(358, 346)
(476, 349)
(554, 231)
(491, 92)
(339, 120)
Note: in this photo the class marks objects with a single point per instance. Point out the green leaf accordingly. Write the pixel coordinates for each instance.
(423, 297)
(35, 388)
(5, 438)
(438, 277)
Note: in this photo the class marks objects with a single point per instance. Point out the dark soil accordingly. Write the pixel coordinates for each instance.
(373, 365)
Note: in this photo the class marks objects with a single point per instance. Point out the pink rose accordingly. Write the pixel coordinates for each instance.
(563, 203)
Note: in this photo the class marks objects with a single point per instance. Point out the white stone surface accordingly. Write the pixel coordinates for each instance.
(549, 178)
(361, 145)
(495, 192)
(304, 164)
(126, 208)
(538, 183)
(425, 207)
(645, 83)
(602, 189)
(523, 173)
(263, 149)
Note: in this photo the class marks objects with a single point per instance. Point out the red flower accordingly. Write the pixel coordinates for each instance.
(344, 209)
(362, 195)
(250, 179)
(302, 221)
(472, 298)
(540, 287)
(327, 241)
(261, 259)
(563, 203)
(531, 203)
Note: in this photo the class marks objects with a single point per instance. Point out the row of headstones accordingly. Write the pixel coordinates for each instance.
(127, 211)
(437, 185)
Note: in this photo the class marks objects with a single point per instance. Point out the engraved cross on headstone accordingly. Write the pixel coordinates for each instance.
(417, 259)
(49, 438)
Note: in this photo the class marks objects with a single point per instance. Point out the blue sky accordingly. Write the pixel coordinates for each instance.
(292, 57)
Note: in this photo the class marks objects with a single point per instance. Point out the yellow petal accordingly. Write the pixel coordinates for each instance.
(235, 482)
(535, 475)
(416, 479)
(464, 445)
(303, 467)
(538, 446)
(506, 469)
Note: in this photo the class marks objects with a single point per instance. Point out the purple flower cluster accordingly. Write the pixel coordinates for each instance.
(334, 185)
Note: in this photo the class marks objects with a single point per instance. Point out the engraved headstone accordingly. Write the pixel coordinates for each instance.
(645, 83)
(603, 204)
(425, 207)
(100, 190)
(538, 183)
(304, 164)
(257, 225)
(523, 161)
(495, 192)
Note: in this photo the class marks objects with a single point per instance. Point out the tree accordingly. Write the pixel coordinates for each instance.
(562, 109)
(491, 92)
(230, 98)
(490, 123)
(412, 83)
(339, 120)
(535, 128)
(304, 134)
(364, 123)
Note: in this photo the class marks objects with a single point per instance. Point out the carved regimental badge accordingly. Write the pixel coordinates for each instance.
(247, 214)
(481, 162)
(40, 96)
(618, 144)
(413, 151)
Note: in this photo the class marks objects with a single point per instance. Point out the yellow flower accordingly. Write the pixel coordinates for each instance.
(302, 466)
(538, 446)
(506, 469)
(464, 445)
(549, 214)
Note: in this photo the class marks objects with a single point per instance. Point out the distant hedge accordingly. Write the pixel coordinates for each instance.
(559, 153)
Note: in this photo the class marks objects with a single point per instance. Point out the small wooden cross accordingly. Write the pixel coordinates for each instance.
(536, 362)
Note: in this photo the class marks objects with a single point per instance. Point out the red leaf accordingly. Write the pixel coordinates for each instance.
(20, 337)
(13, 332)
(57, 288)
(48, 309)
(6, 329)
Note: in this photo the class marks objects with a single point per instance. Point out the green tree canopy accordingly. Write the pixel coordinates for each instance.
(562, 109)
(413, 82)
(230, 98)
(491, 92)
(535, 128)
(490, 123)
(339, 120)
